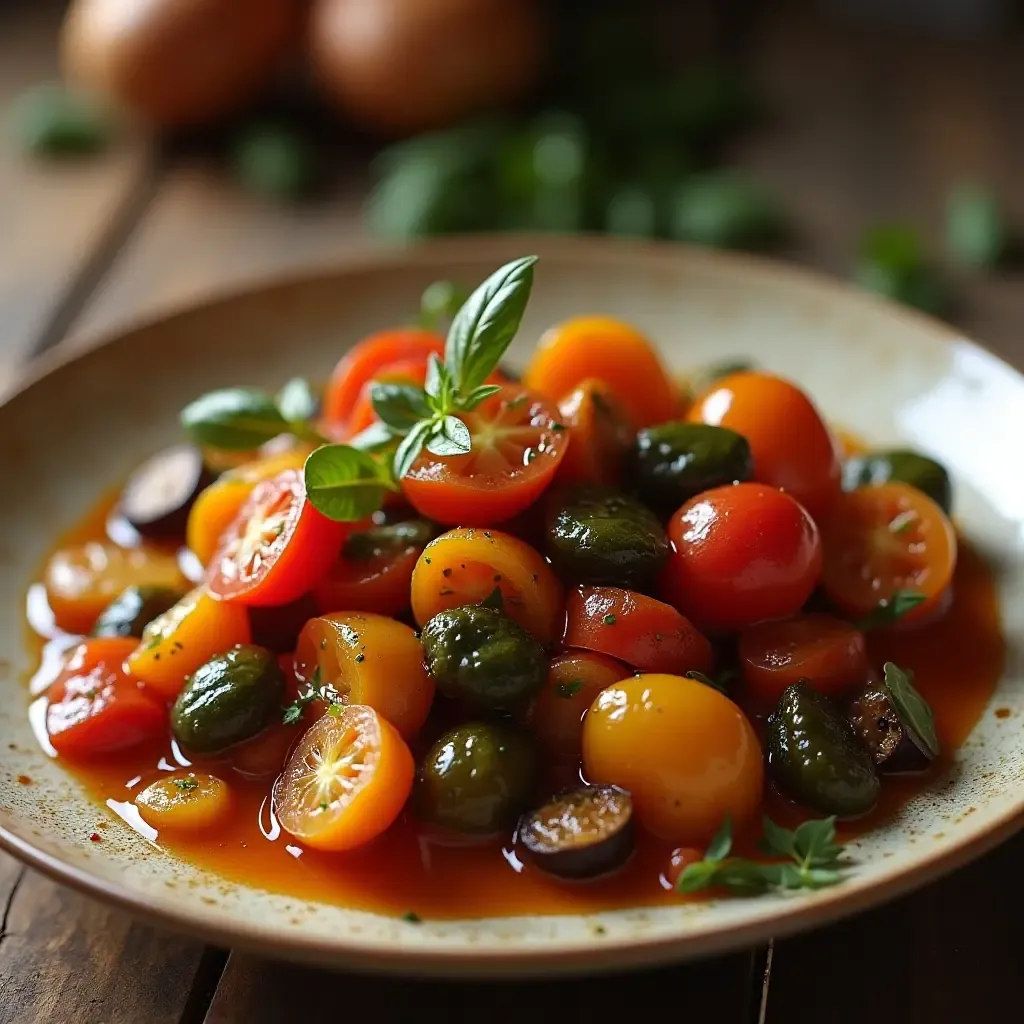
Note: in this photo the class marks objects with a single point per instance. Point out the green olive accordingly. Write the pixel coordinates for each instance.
(903, 465)
(133, 609)
(479, 654)
(477, 778)
(601, 536)
(388, 540)
(230, 699)
(816, 758)
(674, 461)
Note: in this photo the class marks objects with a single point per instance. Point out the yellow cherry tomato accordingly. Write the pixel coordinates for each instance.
(185, 803)
(219, 504)
(82, 580)
(686, 753)
(176, 643)
(368, 659)
(464, 566)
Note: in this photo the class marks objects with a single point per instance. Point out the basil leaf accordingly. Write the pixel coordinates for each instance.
(886, 612)
(343, 483)
(400, 406)
(375, 437)
(719, 847)
(706, 680)
(478, 395)
(485, 326)
(412, 444)
(450, 437)
(914, 711)
(234, 419)
(777, 840)
(818, 878)
(440, 301)
(296, 401)
(815, 841)
(436, 376)
(697, 876)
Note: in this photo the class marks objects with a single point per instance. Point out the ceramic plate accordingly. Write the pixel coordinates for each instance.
(78, 427)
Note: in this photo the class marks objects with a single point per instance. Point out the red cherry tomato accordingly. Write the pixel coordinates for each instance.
(828, 652)
(94, 706)
(793, 449)
(599, 435)
(741, 553)
(886, 538)
(361, 364)
(647, 634)
(277, 547)
(517, 445)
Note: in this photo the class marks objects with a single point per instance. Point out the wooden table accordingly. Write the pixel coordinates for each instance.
(863, 129)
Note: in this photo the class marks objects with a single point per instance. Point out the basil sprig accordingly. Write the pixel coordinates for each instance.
(346, 482)
(913, 710)
(242, 419)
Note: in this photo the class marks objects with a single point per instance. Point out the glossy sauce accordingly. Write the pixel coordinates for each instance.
(957, 662)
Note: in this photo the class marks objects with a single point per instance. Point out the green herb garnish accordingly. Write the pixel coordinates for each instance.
(185, 785)
(976, 233)
(241, 419)
(892, 609)
(609, 619)
(812, 861)
(569, 689)
(315, 691)
(913, 710)
(411, 917)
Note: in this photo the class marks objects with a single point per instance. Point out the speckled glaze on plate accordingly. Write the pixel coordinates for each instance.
(78, 426)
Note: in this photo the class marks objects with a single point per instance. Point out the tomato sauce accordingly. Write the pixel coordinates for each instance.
(957, 662)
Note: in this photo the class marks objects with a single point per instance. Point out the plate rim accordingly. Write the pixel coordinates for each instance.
(570, 956)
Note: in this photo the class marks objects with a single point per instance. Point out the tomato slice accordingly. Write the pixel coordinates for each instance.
(636, 629)
(828, 652)
(599, 435)
(346, 781)
(363, 362)
(885, 538)
(517, 445)
(277, 548)
(95, 707)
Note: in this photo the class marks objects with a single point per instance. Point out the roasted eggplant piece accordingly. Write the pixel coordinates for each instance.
(160, 493)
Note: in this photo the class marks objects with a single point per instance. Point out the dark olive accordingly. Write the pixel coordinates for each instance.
(477, 778)
(133, 609)
(908, 467)
(228, 700)
(815, 757)
(674, 461)
(160, 493)
(581, 833)
(601, 536)
(876, 721)
(480, 655)
(389, 539)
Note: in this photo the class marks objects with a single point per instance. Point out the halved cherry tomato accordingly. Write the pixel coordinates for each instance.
(82, 580)
(829, 653)
(517, 444)
(186, 636)
(886, 538)
(95, 707)
(793, 449)
(368, 659)
(363, 361)
(613, 352)
(740, 554)
(218, 505)
(636, 629)
(464, 566)
(599, 435)
(374, 571)
(346, 781)
(555, 715)
(278, 546)
(185, 803)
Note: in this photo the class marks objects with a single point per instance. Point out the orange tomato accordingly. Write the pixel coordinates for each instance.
(647, 634)
(740, 554)
(555, 715)
(363, 361)
(218, 505)
(793, 449)
(517, 444)
(464, 566)
(185, 803)
(686, 753)
(599, 435)
(829, 653)
(186, 636)
(368, 659)
(95, 707)
(346, 781)
(886, 538)
(82, 580)
(613, 352)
